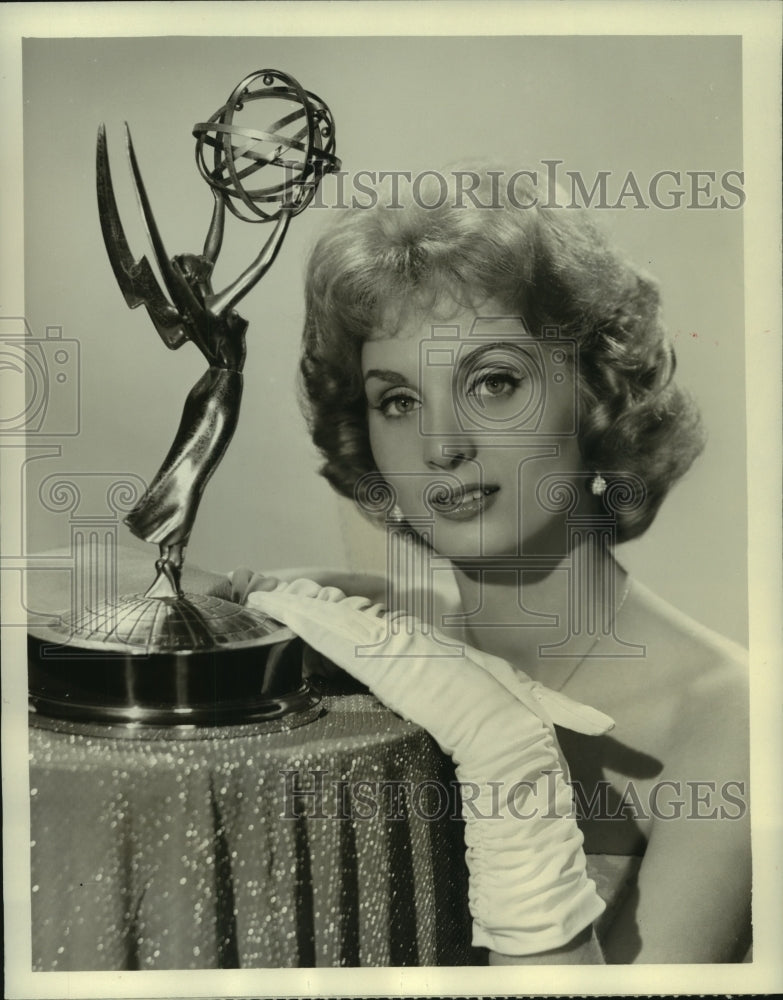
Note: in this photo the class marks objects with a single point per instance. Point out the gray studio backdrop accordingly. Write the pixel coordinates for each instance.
(621, 104)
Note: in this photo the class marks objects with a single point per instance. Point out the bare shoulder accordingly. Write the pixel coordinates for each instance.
(681, 698)
(680, 744)
(701, 675)
(681, 649)
(688, 710)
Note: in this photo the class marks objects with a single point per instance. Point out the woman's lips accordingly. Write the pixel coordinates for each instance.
(464, 504)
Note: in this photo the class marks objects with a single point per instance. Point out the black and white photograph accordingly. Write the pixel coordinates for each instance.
(390, 439)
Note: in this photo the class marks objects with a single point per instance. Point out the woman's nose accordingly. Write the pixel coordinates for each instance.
(446, 444)
(451, 456)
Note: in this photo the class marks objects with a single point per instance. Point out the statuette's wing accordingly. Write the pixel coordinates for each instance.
(136, 279)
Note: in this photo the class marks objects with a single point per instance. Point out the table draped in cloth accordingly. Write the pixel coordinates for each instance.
(339, 843)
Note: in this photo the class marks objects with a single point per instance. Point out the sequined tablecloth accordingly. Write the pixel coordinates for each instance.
(335, 844)
(199, 853)
(163, 854)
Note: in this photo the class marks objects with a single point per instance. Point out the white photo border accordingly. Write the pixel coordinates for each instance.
(759, 25)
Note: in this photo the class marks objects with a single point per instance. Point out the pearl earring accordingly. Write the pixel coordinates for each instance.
(598, 485)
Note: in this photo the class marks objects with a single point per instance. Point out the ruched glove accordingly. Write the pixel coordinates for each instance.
(528, 889)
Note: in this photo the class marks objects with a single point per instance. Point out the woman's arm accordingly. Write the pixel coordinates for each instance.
(244, 581)
(583, 950)
(529, 893)
(692, 901)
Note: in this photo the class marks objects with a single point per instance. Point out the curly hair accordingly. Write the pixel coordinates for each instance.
(552, 267)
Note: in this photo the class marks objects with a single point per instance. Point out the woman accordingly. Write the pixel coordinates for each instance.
(502, 371)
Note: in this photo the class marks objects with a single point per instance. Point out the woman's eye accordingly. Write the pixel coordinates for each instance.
(398, 405)
(494, 385)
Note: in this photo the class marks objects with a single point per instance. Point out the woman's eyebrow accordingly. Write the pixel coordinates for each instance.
(385, 374)
(483, 346)
(479, 350)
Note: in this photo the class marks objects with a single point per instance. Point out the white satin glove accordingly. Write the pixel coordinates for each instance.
(528, 889)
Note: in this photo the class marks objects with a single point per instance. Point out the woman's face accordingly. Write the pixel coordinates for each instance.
(472, 421)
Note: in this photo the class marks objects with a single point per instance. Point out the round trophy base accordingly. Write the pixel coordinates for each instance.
(147, 665)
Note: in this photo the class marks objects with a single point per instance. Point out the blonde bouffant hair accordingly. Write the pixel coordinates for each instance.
(553, 268)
